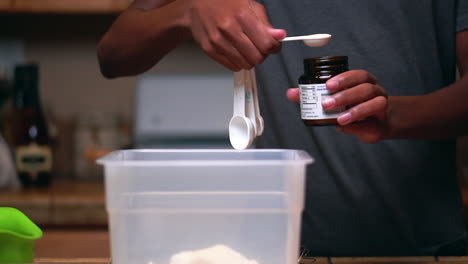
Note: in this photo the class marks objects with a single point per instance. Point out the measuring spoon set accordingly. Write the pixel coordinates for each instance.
(247, 123)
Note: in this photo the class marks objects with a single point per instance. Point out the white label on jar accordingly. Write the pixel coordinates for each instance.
(312, 96)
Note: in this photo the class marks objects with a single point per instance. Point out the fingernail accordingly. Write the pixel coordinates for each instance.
(344, 119)
(332, 85)
(328, 102)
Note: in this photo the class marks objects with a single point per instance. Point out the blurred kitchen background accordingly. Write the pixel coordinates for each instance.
(185, 103)
(88, 115)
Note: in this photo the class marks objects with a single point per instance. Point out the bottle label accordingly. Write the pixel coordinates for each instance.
(312, 96)
(33, 159)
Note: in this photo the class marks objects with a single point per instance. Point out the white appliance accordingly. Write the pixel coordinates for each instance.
(183, 110)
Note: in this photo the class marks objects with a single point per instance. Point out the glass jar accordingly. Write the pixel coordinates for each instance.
(317, 71)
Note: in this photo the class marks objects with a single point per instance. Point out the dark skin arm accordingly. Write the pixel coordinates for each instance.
(235, 33)
(439, 115)
(131, 45)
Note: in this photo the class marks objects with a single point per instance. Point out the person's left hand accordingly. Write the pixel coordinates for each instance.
(367, 101)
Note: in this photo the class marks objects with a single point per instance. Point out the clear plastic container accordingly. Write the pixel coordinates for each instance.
(163, 202)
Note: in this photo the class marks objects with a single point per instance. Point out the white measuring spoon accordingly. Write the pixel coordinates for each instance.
(250, 110)
(260, 124)
(241, 128)
(316, 40)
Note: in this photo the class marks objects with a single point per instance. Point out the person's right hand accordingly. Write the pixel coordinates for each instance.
(235, 33)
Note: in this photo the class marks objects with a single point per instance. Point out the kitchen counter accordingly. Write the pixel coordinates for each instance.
(73, 243)
(359, 260)
(62, 204)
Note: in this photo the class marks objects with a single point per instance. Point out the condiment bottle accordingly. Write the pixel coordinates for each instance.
(317, 71)
(31, 142)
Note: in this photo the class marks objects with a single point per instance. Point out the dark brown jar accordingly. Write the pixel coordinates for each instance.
(317, 71)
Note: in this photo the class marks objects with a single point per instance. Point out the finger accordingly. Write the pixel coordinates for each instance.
(247, 49)
(262, 39)
(356, 128)
(293, 95)
(349, 79)
(366, 131)
(221, 59)
(277, 33)
(229, 33)
(219, 45)
(249, 37)
(354, 95)
(258, 34)
(206, 42)
(373, 107)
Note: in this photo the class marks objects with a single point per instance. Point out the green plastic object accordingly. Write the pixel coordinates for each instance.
(17, 236)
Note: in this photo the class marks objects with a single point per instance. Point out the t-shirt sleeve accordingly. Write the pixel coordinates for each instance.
(462, 15)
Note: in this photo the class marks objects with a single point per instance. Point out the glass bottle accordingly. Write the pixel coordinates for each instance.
(317, 71)
(31, 143)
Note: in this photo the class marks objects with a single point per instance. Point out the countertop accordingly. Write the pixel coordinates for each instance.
(341, 260)
(62, 204)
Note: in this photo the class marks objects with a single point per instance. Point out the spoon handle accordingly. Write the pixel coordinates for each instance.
(249, 100)
(239, 94)
(293, 38)
(258, 117)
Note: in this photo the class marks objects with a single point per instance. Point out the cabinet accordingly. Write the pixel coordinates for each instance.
(63, 6)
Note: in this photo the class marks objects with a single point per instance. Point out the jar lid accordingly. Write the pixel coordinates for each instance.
(327, 60)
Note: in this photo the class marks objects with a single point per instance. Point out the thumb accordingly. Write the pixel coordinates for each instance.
(277, 33)
(293, 95)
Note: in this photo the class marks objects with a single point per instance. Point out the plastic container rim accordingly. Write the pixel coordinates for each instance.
(108, 160)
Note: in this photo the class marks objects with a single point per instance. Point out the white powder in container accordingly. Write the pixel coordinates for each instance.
(219, 254)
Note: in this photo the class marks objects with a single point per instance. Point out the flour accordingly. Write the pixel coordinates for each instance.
(218, 254)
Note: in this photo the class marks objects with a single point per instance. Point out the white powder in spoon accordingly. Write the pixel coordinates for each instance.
(218, 254)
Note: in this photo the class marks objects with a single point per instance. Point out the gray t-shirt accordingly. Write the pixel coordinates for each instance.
(395, 197)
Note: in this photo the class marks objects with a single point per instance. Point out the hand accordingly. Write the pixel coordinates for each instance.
(367, 118)
(235, 33)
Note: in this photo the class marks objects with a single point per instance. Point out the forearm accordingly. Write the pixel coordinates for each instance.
(440, 115)
(139, 39)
